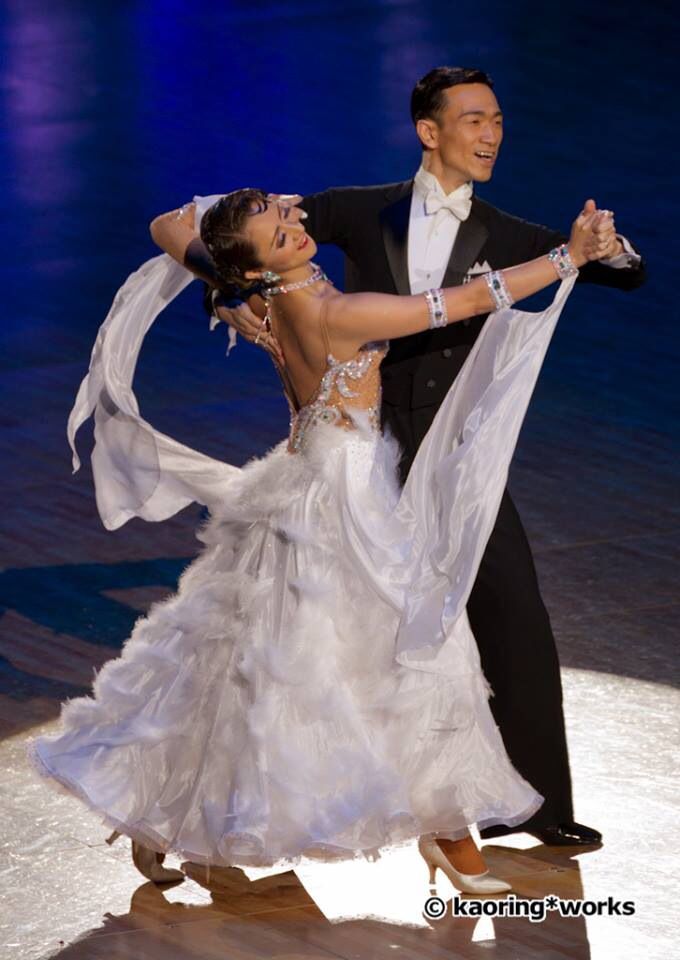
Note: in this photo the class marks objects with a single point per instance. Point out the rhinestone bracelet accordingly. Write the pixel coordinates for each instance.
(562, 262)
(436, 307)
(498, 290)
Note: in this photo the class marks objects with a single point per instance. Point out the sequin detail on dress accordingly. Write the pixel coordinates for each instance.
(356, 380)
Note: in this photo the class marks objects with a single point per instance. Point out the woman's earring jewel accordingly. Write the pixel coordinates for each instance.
(270, 277)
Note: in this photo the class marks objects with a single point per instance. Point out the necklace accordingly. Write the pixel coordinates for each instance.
(270, 292)
(316, 275)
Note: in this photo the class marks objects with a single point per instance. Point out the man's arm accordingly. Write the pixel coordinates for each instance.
(329, 215)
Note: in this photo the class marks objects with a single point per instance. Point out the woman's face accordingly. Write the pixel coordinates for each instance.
(275, 229)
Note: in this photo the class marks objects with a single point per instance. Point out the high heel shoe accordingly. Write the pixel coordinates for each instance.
(149, 863)
(484, 883)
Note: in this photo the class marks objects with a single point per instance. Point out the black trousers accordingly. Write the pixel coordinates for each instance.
(516, 645)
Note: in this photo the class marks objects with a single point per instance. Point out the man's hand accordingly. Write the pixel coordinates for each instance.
(251, 328)
(604, 228)
(288, 199)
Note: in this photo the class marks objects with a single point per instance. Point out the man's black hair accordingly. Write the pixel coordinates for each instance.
(428, 100)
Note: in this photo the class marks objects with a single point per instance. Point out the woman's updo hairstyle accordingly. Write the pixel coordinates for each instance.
(221, 232)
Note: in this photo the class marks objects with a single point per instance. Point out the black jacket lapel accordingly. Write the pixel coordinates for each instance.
(472, 235)
(394, 225)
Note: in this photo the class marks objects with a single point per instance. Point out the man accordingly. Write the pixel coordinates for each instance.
(430, 232)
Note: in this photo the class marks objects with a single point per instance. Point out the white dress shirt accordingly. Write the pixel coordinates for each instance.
(431, 236)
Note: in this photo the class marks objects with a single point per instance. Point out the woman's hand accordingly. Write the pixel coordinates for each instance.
(593, 235)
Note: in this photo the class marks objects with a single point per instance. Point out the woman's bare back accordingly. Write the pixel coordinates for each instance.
(324, 384)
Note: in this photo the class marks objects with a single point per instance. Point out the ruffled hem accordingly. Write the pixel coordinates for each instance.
(400, 831)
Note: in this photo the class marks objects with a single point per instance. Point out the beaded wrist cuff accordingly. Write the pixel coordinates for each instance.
(436, 307)
(562, 262)
(498, 290)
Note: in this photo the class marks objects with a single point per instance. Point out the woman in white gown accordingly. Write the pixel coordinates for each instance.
(313, 687)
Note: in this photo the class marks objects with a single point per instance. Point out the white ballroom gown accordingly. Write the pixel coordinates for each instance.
(313, 687)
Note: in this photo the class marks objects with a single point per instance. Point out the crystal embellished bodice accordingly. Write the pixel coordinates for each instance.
(347, 386)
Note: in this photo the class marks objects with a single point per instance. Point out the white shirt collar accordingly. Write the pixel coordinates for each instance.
(425, 182)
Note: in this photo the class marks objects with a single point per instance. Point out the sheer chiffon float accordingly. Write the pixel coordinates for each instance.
(313, 688)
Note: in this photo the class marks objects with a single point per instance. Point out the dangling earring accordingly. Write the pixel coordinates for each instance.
(267, 294)
(271, 279)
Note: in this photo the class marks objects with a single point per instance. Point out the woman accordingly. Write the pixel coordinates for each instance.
(313, 688)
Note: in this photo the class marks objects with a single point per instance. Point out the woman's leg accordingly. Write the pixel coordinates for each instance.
(463, 854)
(462, 863)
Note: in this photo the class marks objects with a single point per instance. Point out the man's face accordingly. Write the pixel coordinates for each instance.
(469, 131)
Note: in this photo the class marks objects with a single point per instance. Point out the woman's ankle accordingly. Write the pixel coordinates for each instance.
(463, 854)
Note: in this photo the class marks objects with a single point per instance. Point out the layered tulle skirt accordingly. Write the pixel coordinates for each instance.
(261, 713)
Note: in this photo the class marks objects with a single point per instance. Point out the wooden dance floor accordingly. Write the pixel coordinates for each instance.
(115, 112)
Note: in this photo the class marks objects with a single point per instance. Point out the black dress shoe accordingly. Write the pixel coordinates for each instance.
(568, 834)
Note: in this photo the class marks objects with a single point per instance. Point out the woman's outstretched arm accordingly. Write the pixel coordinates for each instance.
(358, 318)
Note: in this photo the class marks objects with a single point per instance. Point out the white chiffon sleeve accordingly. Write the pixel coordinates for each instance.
(452, 495)
(139, 471)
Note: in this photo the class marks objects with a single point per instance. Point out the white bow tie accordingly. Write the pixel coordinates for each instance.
(458, 203)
